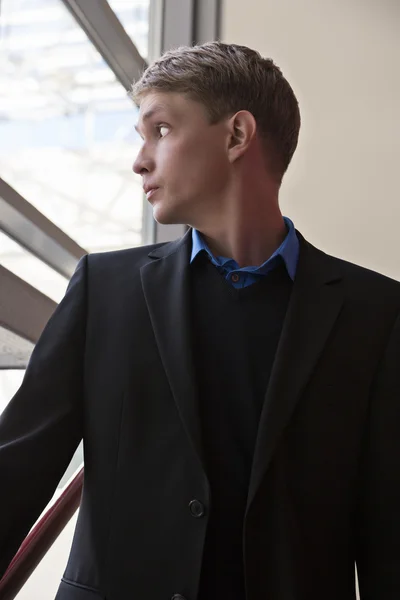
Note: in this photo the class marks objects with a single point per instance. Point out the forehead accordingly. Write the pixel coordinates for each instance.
(171, 104)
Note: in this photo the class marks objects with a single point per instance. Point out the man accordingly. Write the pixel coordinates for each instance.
(237, 390)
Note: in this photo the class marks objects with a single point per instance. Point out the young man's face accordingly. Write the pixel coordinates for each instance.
(183, 159)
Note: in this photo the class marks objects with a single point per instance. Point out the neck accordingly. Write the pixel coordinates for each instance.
(247, 227)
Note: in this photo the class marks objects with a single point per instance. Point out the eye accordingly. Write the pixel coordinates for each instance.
(162, 130)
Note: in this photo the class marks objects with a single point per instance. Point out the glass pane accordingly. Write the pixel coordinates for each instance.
(67, 138)
(15, 352)
(10, 380)
(32, 270)
(45, 579)
(134, 16)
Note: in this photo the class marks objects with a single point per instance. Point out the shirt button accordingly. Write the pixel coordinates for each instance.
(197, 509)
(235, 277)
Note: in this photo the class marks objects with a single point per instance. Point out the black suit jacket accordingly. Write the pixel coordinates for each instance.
(114, 366)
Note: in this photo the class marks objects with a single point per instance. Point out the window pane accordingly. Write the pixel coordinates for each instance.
(15, 352)
(134, 16)
(67, 138)
(32, 270)
(10, 380)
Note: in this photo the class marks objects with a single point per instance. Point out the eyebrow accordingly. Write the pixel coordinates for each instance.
(150, 113)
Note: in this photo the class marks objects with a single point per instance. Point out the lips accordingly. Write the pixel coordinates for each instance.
(149, 190)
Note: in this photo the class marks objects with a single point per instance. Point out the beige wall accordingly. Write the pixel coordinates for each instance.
(342, 58)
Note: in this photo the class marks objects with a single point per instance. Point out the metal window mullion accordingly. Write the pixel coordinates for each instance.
(23, 223)
(171, 24)
(175, 23)
(23, 309)
(207, 19)
(107, 34)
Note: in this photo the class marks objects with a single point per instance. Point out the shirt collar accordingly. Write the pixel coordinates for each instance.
(288, 251)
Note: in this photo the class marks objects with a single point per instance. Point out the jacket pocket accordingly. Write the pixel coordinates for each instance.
(69, 590)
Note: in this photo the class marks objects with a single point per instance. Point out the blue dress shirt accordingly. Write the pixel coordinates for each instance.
(241, 277)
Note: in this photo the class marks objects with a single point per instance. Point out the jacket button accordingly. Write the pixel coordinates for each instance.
(197, 509)
(178, 597)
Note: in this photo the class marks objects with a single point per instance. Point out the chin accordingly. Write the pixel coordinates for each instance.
(166, 216)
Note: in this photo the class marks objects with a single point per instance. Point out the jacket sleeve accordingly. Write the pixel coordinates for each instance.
(378, 515)
(41, 427)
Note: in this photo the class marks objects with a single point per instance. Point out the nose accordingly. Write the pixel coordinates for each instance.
(143, 162)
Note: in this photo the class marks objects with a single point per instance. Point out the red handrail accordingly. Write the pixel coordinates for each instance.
(40, 539)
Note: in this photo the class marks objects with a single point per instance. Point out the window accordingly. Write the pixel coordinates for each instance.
(67, 139)
(32, 270)
(134, 16)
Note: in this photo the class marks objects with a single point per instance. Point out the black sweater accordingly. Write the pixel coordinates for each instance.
(235, 336)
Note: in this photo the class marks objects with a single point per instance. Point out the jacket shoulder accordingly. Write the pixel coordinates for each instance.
(363, 275)
(363, 285)
(126, 254)
(116, 267)
(134, 258)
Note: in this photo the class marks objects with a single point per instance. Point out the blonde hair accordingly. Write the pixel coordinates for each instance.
(227, 78)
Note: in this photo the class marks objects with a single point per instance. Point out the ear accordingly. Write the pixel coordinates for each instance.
(242, 131)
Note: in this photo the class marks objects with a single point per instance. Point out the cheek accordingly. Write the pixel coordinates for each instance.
(206, 163)
(171, 162)
(191, 165)
(212, 168)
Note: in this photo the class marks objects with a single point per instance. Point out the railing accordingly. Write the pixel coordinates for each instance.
(40, 539)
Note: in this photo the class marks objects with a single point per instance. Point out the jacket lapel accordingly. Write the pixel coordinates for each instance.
(166, 287)
(314, 306)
